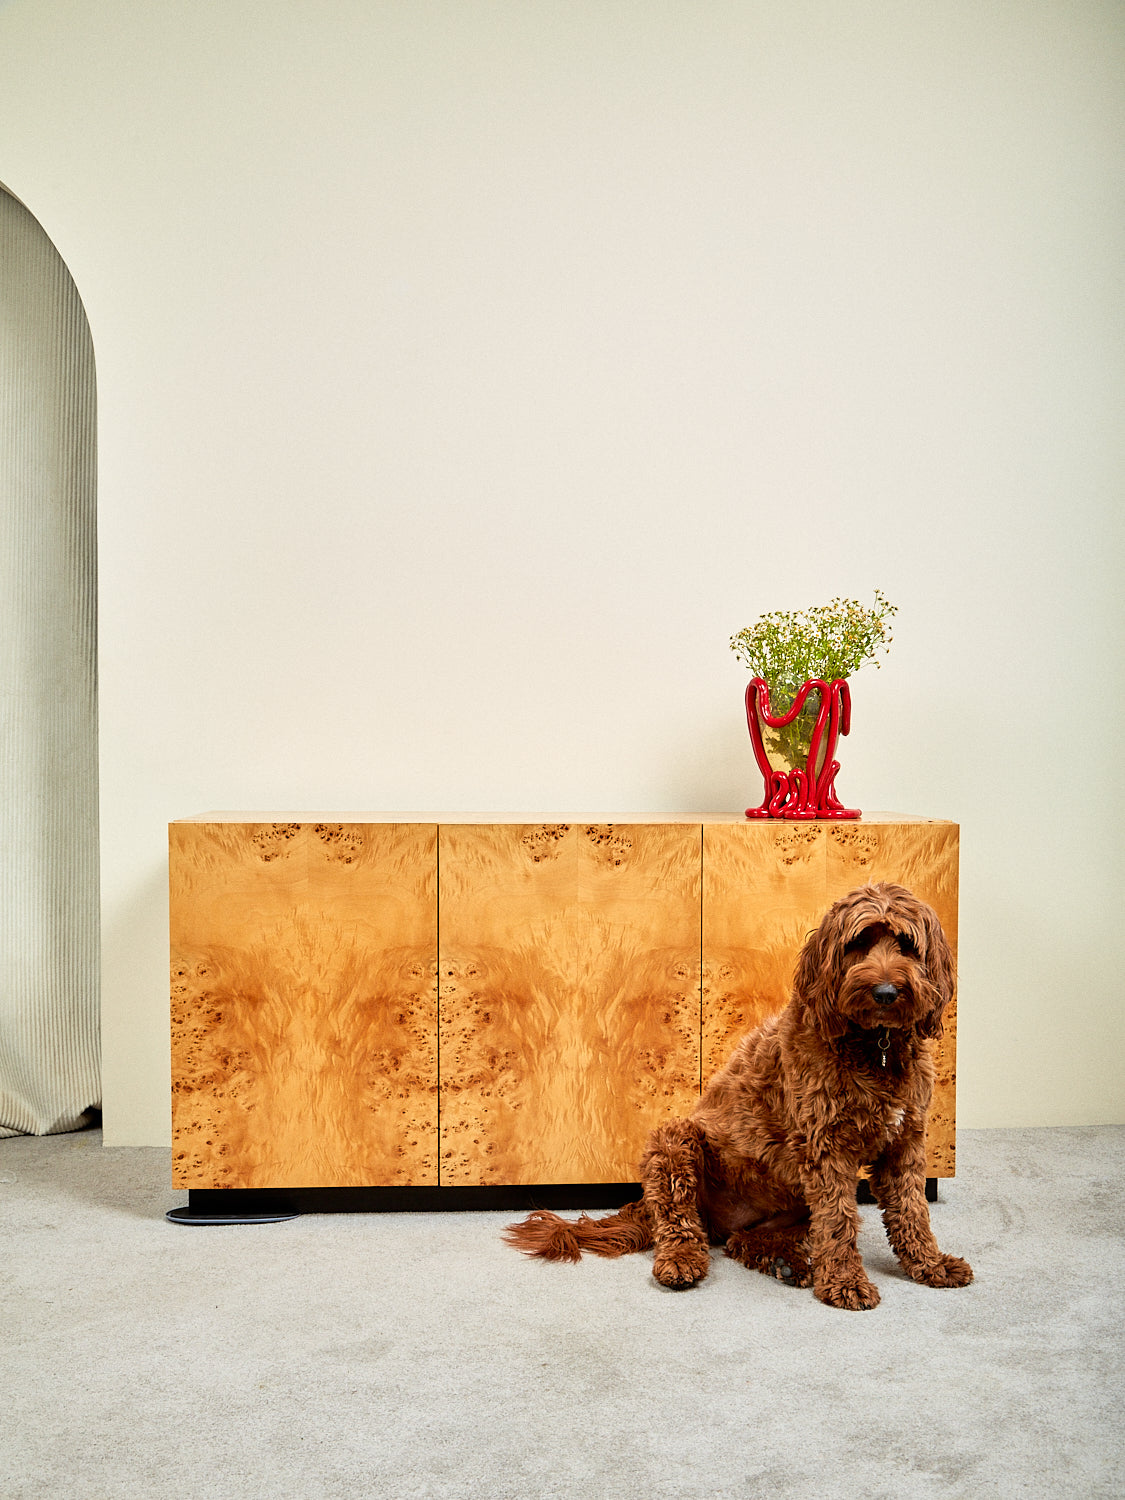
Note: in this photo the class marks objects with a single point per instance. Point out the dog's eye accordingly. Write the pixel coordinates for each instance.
(905, 946)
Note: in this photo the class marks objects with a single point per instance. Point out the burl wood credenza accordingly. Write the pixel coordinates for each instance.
(403, 1010)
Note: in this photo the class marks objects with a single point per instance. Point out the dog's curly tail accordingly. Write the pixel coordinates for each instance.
(552, 1237)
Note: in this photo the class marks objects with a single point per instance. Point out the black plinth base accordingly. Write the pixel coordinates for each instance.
(864, 1194)
(272, 1205)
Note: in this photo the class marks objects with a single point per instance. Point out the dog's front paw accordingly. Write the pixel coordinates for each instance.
(681, 1266)
(950, 1270)
(855, 1293)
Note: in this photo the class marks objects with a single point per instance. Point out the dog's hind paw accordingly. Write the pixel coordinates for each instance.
(789, 1265)
(792, 1276)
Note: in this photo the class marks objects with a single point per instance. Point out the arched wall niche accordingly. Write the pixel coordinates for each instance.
(49, 957)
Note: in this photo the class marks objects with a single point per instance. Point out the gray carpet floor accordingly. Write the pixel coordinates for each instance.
(414, 1355)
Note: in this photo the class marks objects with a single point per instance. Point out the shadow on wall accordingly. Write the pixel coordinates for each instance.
(136, 1033)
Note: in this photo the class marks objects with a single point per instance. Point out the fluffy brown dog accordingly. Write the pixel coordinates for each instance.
(768, 1160)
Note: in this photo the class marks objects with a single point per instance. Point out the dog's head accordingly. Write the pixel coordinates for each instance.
(878, 958)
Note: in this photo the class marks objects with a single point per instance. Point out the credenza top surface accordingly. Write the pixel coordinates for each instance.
(486, 818)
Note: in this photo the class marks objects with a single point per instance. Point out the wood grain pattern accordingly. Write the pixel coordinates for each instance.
(304, 1005)
(591, 974)
(570, 1004)
(763, 891)
(766, 885)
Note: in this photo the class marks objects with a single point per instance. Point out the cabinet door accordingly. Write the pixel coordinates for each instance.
(766, 885)
(924, 858)
(304, 1004)
(570, 1000)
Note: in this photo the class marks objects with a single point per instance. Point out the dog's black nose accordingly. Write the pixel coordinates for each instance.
(884, 994)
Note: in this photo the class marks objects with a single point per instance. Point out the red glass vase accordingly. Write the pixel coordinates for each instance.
(796, 750)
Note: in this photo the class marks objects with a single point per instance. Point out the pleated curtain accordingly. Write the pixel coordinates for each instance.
(49, 1053)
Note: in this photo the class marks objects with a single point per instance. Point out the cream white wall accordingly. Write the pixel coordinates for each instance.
(469, 372)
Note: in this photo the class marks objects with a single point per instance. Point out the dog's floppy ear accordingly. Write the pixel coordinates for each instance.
(940, 970)
(818, 976)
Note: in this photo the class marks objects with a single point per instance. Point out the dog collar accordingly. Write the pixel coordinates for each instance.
(879, 1037)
